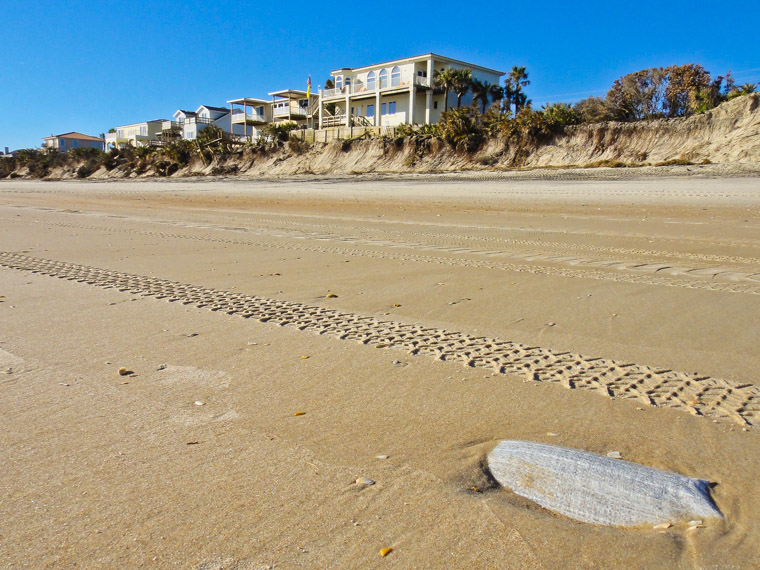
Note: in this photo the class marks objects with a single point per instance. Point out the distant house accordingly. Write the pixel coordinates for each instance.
(394, 92)
(68, 141)
(136, 134)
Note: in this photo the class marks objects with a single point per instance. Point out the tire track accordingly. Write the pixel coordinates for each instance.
(716, 279)
(698, 395)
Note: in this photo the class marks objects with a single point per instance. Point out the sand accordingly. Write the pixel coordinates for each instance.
(417, 321)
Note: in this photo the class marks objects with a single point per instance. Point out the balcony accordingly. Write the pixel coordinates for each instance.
(358, 87)
(238, 118)
(294, 111)
(198, 121)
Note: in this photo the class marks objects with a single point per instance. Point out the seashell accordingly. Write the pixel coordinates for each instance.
(364, 482)
(331, 296)
(304, 357)
(614, 455)
(661, 526)
(125, 372)
(299, 413)
(385, 551)
(381, 457)
(596, 489)
(199, 403)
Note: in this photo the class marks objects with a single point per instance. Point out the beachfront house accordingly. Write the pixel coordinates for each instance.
(394, 92)
(248, 115)
(68, 141)
(295, 106)
(136, 134)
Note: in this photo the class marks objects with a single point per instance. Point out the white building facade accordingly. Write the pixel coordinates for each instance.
(136, 134)
(395, 92)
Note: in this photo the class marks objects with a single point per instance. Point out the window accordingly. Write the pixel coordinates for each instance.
(371, 81)
(422, 73)
(359, 111)
(395, 76)
(353, 111)
(370, 110)
(383, 79)
(143, 131)
(382, 109)
(435, 104)
(339, 82)
(391, 107)
(75, 143)
(62, 143)
(348, 82)
(260, 110)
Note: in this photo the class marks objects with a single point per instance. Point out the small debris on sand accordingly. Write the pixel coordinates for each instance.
(199, 403)
(661, 526)
(299, 414)
(125, 372)
(364, 482)
(385, 551)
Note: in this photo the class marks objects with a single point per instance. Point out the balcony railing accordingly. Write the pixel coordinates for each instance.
(248, 118)
(198, 120)
(292, 110)
(360, 87)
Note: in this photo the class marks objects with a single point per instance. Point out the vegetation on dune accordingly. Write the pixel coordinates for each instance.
(501, 113)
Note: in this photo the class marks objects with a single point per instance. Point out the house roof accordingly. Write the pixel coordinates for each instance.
(290, 94)
(419, 58)
(210, 108)
(140, 123)
(73, 135)
(186, 113)
(249, 101)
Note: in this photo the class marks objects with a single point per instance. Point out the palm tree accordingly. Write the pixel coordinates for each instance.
(480, 93)
(462, 83)
(445, 80)
(516, 80)
(496, 92)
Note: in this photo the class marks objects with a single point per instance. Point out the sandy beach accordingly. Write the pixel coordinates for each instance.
(283, 338)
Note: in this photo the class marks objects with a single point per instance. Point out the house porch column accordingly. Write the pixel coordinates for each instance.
(429, 93)
(320, 109)
(377, 108)
(412, 93)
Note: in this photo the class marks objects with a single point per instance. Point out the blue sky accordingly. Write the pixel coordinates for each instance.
(91, 65)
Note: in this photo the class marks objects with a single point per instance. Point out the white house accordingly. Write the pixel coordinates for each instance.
(68, 141)
(393, 92)
(254, 114)
(136, 134)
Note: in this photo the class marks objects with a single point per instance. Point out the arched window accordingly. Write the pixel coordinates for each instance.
(383, 78)
(395, 76)
(371, 81)
(339, 82)
(348, 82)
